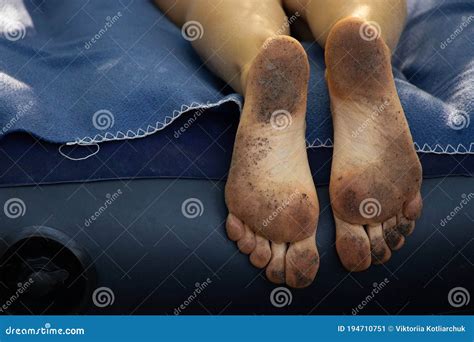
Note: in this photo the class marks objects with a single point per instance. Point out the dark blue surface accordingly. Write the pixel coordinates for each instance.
(54, 79)
(25, 160)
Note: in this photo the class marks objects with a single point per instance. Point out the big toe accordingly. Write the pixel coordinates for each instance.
(353, 246)
(302, 263)
(235, 228)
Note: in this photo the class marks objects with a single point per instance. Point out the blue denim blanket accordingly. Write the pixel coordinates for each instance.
(85, 72)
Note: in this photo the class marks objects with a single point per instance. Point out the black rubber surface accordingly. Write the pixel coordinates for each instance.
(153, 259)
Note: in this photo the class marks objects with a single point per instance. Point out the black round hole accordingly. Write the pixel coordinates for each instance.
(44, 275)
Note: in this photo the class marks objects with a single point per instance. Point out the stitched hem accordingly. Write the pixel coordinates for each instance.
(437, 149)
(141, 133)
(317, 143)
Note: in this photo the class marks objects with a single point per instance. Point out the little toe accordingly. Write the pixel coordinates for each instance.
(262, 253)
(276, 268)
(379, 249)
(392, 237)
(235, 228)
(248, 242)
(405, 226)
(353, 246)
(302, 262)
(412, 209)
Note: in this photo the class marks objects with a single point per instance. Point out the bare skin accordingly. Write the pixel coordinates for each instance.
(376, 175)
(270, 192)
(272, 201)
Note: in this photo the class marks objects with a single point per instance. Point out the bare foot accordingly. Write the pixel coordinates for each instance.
(376, 175)
(272, 201)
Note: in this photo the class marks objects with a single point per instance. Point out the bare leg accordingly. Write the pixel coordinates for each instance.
(376, 175)
(233, 32)
(386, 16)
(270, 194)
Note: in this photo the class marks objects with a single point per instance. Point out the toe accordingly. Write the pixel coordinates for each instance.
(405, 226)
(276, 268)
(412, 209)
(379, 249)
(262, 253)
(248, 242)
(392, 237)
(302, 263)
(352, 245)
(235, 228)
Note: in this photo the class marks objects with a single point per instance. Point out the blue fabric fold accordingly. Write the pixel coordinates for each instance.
(94, 71)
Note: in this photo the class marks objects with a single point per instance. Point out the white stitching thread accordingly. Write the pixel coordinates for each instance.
(317, 143)
(141, 133)
(438, 149)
